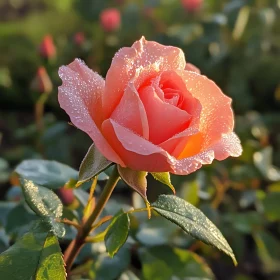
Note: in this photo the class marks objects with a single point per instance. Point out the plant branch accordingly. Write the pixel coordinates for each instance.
(76, 245)
(70, 223)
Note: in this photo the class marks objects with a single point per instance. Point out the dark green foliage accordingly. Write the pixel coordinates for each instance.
(240, 196)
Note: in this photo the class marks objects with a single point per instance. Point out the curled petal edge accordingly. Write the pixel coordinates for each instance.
(229, 145)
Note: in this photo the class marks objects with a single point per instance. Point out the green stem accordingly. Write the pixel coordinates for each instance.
(39, 111)
(76, 245)
(138, 210)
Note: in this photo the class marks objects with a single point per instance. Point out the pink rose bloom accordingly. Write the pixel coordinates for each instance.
(110, 19)
(192, 5)
(47, 47)
(150, 113)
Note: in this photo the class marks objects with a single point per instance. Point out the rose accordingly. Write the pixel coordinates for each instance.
(150, 113)
(47, 48)
(79, 38)
(110, 19)
(66, 196)
(42, 82)
(192, 5)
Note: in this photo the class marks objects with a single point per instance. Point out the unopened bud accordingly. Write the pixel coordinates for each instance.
(192, 6)
(42, 82)
(47, 47)
(110, 19)
(66, 195)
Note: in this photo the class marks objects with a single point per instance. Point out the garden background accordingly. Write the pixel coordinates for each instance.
(236, 43)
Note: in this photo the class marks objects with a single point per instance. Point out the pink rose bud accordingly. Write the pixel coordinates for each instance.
(150, 113)
(42, 82)
(192, 5)
(66, 195)
(79, 38)
(47, 47)
(110, 19)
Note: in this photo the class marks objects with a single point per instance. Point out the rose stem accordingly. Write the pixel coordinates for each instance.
(39, 111)
(75, 246)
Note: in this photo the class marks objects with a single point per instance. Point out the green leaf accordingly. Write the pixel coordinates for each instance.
(93, 164)
(50, 174)
(108, 268)
(165, 263)
(189, 192)
(268, 249)
(272, 206)
(246, 222)
(135, 179)
(36, 255)
(263, 161)
(51, 265)
(45, 203)
(4, 240)
(117, 233)
(19, 217)
(128, 275)
(192, 221)
(155, 231)
(5, 209)
(164, 177)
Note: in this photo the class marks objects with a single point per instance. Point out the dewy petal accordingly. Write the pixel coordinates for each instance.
(86, 81)
(171, 79)
(165, 120)
(216, 117)
(193, 68)
(191, 164)
(140, 154)
(136, 152)
(190, 138)
(126, 62)
(130, 112)
(80, 97)
(229, 145)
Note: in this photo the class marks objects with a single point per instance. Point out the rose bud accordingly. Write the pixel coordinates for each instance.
(150, 113)
(110, 19)
(66, 195)
(47, 47)
(79, 38)
(192, 6)
(42, 82)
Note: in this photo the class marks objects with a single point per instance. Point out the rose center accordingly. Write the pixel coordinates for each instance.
(172, 96)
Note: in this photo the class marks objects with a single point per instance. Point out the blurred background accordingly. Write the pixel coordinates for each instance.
(236, 43)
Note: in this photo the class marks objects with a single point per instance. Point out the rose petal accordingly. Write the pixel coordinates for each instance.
(216, 116)
(90, 83)
(136, 152)
(130, 112)
(229, 145)
(80, 96)
(190, 139)
(141, 154)
(161, 113)
(126, 62)
(191, 164)
(193, 68)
